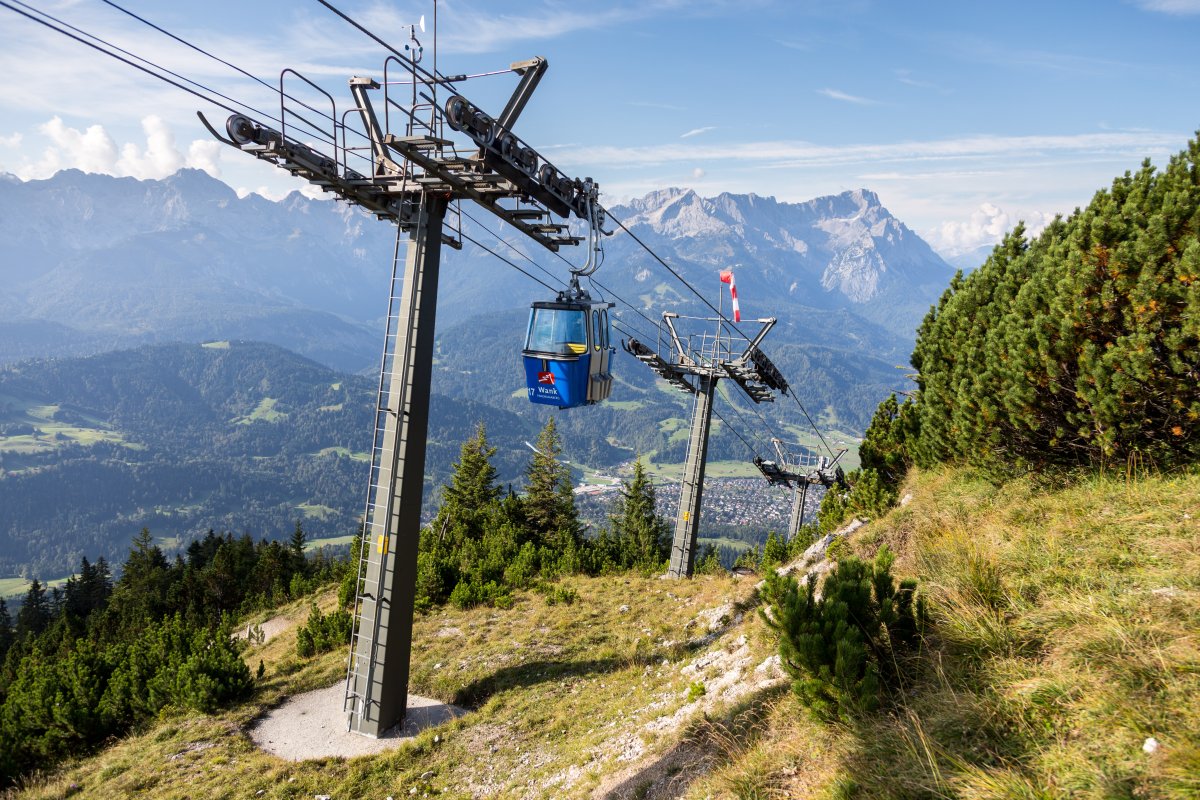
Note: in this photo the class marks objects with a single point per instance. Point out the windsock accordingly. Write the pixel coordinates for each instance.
(727, 277)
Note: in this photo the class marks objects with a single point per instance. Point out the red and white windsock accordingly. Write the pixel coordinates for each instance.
(727, 277)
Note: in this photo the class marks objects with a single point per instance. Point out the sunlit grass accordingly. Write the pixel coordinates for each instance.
(558, 697)
(1066, 632)
(265, 411)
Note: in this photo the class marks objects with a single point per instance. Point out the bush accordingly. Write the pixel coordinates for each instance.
(323, 632)
(846, 649)
(556, 594)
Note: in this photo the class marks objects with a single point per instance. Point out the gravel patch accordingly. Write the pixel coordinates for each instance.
(313, 725)
(270, 629)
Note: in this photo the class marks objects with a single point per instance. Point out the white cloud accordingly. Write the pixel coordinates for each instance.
(94, 150)
(835, 94)
(697, 131)
(159, 158)
(986, 226)
(698, 173)
(205, 155)
(13, 141)
(1178, 7)
(799, 154)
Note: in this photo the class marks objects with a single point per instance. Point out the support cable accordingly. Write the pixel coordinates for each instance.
(813, 424)
(146, 61)
(678, 277)
(736, 433)
(237, 69)
(755, 430)
(117, 52)
(514, 248)
(434, 78)
(111, 54)
(725, 319)
(482, 246)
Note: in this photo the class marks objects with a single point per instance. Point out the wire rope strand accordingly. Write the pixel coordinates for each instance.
(232, 66)
(735, 431)
(513, 247)
(804, 411)
(118, 57)
(482, 246)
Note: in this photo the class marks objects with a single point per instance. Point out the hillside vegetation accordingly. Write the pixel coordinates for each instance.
(1062, 637)
(1081, 347)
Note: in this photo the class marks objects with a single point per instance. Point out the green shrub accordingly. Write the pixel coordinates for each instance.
(708, 562)
(845, 650)
(323, 632)
(557, 593)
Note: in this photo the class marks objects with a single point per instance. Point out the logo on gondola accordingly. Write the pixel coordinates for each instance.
(546, 377)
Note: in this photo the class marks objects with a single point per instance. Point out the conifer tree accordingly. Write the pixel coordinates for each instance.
(473, 483)
(34, 615)
(6, 630)
(549, 501)
(643, 537)
(296, 547)
(1079, 347)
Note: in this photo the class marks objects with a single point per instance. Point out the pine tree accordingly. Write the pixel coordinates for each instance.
(34, 615)
(843, 649)
(643, 537)
(1081, 347)
(549, 502)
(140, 595)
(6, 630)
(296, 547)
(473, 486)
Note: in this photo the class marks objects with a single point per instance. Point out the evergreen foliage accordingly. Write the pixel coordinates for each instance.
(844, 649)
(323, 632)
(642, 537)
(484, 543)
(1078, 348)
(88, 662)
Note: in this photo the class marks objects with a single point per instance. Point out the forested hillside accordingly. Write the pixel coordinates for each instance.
(183, 438)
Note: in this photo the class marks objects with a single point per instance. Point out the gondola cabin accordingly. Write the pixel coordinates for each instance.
(567, 352)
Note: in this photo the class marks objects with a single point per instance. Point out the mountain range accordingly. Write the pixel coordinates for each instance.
(91, 264)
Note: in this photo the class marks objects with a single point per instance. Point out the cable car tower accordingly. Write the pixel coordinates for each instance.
(405, 170)
(696, 363)
(798, 470)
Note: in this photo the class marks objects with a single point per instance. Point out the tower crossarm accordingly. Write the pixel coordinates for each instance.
(664, 369)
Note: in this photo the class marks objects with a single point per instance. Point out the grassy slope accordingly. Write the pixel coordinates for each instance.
(560, 697)
(1067, 633)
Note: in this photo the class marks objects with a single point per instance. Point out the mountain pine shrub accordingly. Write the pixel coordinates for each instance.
(1078, 348)
(845, 649)
(323, 632)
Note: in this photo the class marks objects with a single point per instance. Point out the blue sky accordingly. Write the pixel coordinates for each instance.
(962, 116)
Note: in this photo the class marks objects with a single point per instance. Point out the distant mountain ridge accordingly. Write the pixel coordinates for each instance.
(843, 251)
(124, 261)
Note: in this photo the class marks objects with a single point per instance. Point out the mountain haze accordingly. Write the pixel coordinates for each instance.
(91, 262)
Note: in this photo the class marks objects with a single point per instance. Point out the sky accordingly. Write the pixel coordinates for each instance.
(964, 117)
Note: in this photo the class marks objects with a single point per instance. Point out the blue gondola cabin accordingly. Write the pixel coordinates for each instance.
(567, 352)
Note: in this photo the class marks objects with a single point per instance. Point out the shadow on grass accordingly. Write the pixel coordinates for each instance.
(531, 673)
(944, 738)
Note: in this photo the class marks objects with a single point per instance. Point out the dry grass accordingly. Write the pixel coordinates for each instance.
(560, 695)
(1066, 632)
